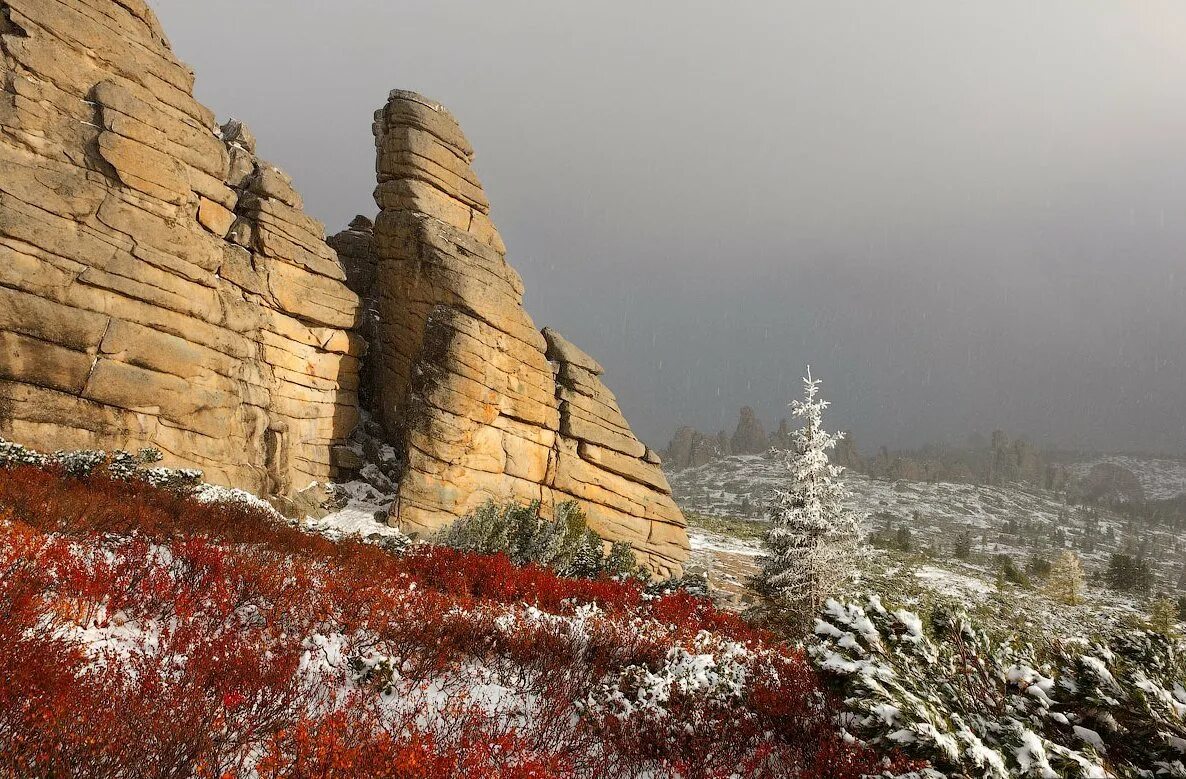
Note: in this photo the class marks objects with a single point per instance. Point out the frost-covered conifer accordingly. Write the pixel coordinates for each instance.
(811, 545)
(1066, 581)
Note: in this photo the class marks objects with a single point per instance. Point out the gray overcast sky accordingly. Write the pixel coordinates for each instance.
(965, 215)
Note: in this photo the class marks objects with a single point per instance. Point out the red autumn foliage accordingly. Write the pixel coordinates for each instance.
(144, 634)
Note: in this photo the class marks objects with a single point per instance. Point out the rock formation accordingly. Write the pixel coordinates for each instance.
(690, 448)
(355, 247)
(846, 454)
(782, 439)
(483, 403)
(1109, 483)
(159, 284)
(750, 436)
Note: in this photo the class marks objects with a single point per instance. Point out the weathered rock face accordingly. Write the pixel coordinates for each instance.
(159, 284)
(355, 247)
(484, 404)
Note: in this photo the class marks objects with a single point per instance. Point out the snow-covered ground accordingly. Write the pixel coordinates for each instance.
(361, 517)
(1015, 520)
(1021, 522)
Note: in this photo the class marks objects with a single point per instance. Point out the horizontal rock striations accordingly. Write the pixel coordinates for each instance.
(159, 283)
(485, 405)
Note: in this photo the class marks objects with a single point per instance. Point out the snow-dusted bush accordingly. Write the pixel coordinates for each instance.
(176, 479)
(116, 464)
(12, 455)
(565, 544)
(210, 493)
(713, 675)
(945, 692)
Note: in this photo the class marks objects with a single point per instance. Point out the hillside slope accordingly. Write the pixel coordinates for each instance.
(147, 633)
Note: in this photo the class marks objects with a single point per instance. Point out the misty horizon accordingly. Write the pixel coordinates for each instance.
(964, 218)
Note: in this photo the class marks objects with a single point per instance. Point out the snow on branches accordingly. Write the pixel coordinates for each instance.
(812, 540)
(944, 691)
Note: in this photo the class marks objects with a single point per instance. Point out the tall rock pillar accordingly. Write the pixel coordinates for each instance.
(484, 404)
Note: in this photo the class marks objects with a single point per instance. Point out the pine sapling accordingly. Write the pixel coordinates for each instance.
(811, 544)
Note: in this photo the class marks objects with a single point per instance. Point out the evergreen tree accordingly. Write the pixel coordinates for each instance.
(1007, 571)
(1128, 574)
(1163, 617)
(1066, 582)
(1038, 566)
(903, 540)
(811, 545)
(963, 545)
(940, 689)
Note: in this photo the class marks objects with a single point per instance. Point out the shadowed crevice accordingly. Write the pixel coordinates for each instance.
(8, 26)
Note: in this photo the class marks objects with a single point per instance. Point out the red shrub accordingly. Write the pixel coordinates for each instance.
(141, 631)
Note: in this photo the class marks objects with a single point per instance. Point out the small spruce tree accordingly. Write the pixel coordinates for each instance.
(1128, 574)
(962, 548)
(903, 540)
(1163, 617)
(1066, 581)
(811, 544)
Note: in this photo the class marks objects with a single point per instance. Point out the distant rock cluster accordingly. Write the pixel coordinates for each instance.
(161, 285)
(690, 448)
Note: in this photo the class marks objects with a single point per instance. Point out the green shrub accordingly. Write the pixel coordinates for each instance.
(1007, 571)
(566, 544)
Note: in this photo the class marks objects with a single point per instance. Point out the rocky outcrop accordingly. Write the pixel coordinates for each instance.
(846, 454)
(689, 448)
(750, 436)
(159, 283)
(484, 404)
(1109, 483)
(355, 247)
(782, 438)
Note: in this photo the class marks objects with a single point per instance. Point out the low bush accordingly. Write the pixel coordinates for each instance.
(564, 544)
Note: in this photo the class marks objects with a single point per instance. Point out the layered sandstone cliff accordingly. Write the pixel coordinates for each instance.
(484, 404)
(161, 285)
